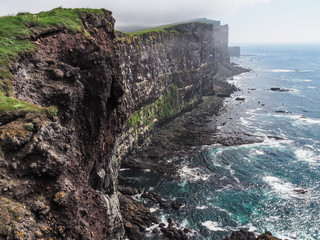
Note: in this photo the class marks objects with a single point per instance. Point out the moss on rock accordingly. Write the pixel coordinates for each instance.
(11, 216)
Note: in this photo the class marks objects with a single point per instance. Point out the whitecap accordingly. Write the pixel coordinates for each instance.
(253, 111)
(183, 184)
(184, 223)
(304, 119)
(153, 209)
(283, 189)
(192, 174)
(149, 230)
(213, 226)
(201, 207)
(250, 227)
(280, 70)
(307, 155)
(255, 152)
(245, 122)
(238, 77)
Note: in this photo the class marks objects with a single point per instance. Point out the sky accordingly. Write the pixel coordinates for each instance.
(250, 21)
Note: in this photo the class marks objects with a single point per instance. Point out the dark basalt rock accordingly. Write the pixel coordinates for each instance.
(276, 89)
(136, 217)
(174, 233)
(155, 198)
(267, 236)
(240, 98)
(300, 191)
(128, 190)
(241, 235)
(156, 231)
(282, 111)
(275, 137)
(176, 205)
(223, 95)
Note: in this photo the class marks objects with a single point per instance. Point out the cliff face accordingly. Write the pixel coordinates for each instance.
(164, 74)
(59, 167)
(53, 179)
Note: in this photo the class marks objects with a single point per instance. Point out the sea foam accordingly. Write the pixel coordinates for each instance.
(213, 226)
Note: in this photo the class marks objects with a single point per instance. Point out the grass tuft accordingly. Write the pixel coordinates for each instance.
(12, 104)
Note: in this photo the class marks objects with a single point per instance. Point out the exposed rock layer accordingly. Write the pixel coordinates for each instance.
(55, 169)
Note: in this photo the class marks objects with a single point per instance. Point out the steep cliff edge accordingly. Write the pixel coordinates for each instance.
(74, 100)
(165, 73)
(53, 180)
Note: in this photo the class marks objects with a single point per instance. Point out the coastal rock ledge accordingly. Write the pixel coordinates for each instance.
(75, 99)
(246, 235)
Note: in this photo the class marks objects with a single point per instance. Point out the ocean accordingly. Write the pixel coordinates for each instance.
(273, 185)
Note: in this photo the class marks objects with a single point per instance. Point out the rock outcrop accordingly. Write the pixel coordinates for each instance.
(57, 179)
(246, 235)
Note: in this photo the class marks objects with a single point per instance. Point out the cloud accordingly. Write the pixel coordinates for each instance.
(131, 12)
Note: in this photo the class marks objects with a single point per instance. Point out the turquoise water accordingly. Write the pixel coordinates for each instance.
(255, 186)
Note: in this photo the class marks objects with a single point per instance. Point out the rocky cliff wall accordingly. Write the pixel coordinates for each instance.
(59, 165)
(165, 72)
(57, 179)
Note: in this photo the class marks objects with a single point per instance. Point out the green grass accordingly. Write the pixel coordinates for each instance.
(151, 30)
(15, 34)
(15, 30)
(11, 104)
(8, 104)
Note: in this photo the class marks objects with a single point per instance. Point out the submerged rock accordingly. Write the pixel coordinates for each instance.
(176, 205)
(276, 89)
(282, 111)
(240, 98)
(300, 191)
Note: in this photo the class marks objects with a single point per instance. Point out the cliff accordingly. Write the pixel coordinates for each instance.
(74, 100)
(165, 73)
(49, 159)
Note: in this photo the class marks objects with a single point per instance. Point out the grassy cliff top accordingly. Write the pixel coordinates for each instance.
(172, 28)
(16, 30)
(151, 30)
(15, 34)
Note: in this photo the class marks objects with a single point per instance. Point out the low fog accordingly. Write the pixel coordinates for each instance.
(255, 21)
(142, 12)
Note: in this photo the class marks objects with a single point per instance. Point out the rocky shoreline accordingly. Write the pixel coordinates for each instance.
(80, 102)
(183, 136)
